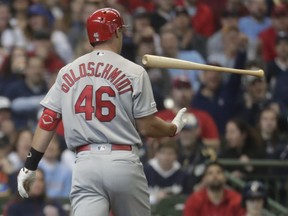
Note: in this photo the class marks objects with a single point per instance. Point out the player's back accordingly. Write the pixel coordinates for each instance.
(97, 94)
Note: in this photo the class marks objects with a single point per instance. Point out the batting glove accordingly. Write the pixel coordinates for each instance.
(179, 121)
(25, 178)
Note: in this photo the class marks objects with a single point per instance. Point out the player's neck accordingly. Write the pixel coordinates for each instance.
(105, 47)
(110, 45)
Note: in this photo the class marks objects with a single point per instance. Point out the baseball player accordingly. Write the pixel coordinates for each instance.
(104, 100)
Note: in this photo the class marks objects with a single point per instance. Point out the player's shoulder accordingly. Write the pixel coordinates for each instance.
(135, 68)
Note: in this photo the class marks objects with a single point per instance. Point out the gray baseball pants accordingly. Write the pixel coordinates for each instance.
(113, 180)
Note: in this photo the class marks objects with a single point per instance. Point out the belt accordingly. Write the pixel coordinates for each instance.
(114, 147)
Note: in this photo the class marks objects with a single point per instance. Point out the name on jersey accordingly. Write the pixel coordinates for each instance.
(92, 69)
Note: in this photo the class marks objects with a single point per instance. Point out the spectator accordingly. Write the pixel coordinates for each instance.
(237, 6)
(160, 78)
(268, 37)
(201, 16)
(148, 5)
(215, 43)
(163, 172)
(5, 110)
(277, 71)
(13, 68)
(217, 97)
(255, 98)
(170, 48)
(43, 49)
(233, 42)
(214, 198)
(8, 38)
(7, 127)
(188, 38)
(20, 149)
(143, 30)
(79, 12)
(254, 198)
(57, 175)
(192, 154)
(255, 23)
(37, 203)
(6, 167)
(162, 14)
(19, 18)
(41, 19)
(252, 25)
(26, 94)
(273, 141)
(182, 94)
(17, 156)
(242, 143)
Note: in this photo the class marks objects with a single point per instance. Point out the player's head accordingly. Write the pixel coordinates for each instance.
(103, 24)
(254, 196)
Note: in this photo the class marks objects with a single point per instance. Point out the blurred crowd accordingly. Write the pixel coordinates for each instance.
(229, 115)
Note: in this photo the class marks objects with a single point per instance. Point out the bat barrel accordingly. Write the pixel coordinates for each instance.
(172, 63)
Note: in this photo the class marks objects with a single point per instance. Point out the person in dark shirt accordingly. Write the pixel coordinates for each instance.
(26, 94)
(192, 154)
(164, 174)
(243, 143)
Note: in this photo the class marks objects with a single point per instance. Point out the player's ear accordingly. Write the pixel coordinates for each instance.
(118, 32)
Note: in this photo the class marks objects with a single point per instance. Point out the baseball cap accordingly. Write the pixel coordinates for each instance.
(280, 10)
(254, 189)
(39, 10)
(191, 121)
(181, 82)
(5, 103)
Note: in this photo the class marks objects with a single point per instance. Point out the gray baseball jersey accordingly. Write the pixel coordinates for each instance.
(99, 95)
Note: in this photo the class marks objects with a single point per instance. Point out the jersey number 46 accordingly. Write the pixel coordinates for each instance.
(84, 103)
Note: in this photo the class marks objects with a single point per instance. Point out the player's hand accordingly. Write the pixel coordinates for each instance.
(24, 179)
(179, 120)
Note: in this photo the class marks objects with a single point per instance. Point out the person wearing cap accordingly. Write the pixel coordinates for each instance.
(182, 95)
(268, 37)
(40, 19)
(254, 198)
(192, 154)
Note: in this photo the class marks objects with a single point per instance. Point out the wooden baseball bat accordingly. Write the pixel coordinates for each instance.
(172, 63)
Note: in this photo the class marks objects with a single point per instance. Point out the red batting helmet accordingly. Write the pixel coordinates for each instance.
(102, 24)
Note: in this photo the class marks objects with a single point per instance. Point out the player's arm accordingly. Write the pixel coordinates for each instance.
(153, 126)
(41, 139)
